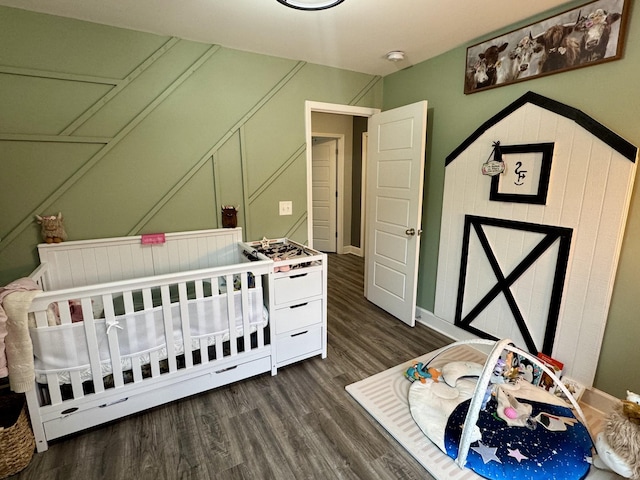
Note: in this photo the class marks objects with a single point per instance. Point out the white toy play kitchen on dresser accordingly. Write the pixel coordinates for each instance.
(299, 310)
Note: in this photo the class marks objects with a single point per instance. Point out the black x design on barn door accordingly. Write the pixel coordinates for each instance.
(548, 236)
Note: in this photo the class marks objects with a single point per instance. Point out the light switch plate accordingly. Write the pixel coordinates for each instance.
(286, 208)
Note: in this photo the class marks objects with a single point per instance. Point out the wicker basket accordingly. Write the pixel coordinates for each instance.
(16, 439)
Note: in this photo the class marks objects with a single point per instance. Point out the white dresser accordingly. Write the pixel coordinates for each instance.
(298, 295)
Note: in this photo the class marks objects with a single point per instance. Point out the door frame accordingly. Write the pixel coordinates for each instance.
(309, 107)
(339, 138)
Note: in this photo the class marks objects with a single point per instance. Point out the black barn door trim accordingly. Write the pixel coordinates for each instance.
(551, 235)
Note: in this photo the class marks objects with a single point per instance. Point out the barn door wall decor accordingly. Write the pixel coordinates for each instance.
(546, 239)
(589, 190)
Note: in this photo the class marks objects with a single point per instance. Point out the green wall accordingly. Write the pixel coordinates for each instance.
(126, 132)
(607, 92)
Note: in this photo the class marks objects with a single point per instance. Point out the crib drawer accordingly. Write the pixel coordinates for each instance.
(297, 286)
(299, 345)
(298, 316)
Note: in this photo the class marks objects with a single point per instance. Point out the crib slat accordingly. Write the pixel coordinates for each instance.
(231, 318)
(92, 344)
(147, 301)
(41, 318)
(204, 351)
(168, 327)
(127, 298)
(112, 336)
(76, 384)
(154, 361)
(136, 370)
(246, 318)
(218, 346)
(186, 329)
(54, 389)
(64, 312)
(260, 330)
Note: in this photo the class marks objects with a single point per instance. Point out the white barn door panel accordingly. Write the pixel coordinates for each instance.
(589, 190)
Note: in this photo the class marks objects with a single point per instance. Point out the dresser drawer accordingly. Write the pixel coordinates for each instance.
(297, 286)
(298, 344)
(298, 316)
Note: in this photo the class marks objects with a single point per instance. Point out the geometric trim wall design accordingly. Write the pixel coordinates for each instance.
(244, 100)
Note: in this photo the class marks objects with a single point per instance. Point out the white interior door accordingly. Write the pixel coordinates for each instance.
(324, 156)
(395, 178)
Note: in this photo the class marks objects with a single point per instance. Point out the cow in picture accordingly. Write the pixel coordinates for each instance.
(596, 29)
(477, 76)
(520, 62)
(561, 48)
(484, 71)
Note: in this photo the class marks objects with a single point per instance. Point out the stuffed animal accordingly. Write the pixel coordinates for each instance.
(229, 216)
(52, 228)
(418, 372)
(618, 445)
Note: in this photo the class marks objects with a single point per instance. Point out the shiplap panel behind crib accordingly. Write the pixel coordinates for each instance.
(589, 192)
(72, 264)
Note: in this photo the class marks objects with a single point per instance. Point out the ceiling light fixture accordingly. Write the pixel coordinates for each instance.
(310, 4)
(395, 56)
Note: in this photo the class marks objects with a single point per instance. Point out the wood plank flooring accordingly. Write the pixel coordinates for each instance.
(300, 424)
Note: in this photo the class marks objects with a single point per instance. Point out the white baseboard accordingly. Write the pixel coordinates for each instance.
(429, 319)
(352, 250)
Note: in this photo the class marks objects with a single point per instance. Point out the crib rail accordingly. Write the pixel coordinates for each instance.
(129, 335)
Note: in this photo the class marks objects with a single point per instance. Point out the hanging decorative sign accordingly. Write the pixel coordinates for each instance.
(492, 166)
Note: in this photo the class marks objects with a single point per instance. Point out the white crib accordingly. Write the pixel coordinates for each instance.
(125, 324)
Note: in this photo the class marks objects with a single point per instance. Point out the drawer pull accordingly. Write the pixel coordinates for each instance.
(114, 403)
(226, 369)
(300, 333)
(298, 276)
(298, 306)
(69, 411)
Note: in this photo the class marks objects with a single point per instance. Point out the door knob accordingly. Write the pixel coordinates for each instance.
(410, 231)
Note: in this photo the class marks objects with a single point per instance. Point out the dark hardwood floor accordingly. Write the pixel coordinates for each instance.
(300, 424)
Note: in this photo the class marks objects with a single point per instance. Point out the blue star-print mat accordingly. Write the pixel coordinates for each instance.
(505, 452)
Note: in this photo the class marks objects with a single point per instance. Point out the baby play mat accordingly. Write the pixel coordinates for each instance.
(385, 397)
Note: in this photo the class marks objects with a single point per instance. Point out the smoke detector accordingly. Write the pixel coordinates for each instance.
(395, 56)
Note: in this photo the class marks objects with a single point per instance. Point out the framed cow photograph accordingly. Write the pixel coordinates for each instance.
(583, 36)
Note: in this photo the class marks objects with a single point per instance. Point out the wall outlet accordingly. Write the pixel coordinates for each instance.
(286, 208)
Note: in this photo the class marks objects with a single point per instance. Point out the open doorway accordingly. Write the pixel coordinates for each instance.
(348, 125)
(394, 191)
(327, 155)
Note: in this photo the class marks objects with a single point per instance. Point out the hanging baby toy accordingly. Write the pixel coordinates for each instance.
(52, 228)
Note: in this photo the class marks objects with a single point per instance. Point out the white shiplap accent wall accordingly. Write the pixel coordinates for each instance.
(589, 192)
(89, 262)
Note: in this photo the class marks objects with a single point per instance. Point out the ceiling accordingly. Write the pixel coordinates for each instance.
(355, 35)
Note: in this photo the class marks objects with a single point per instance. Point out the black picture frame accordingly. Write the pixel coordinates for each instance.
(526, 175)
(556, 44)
